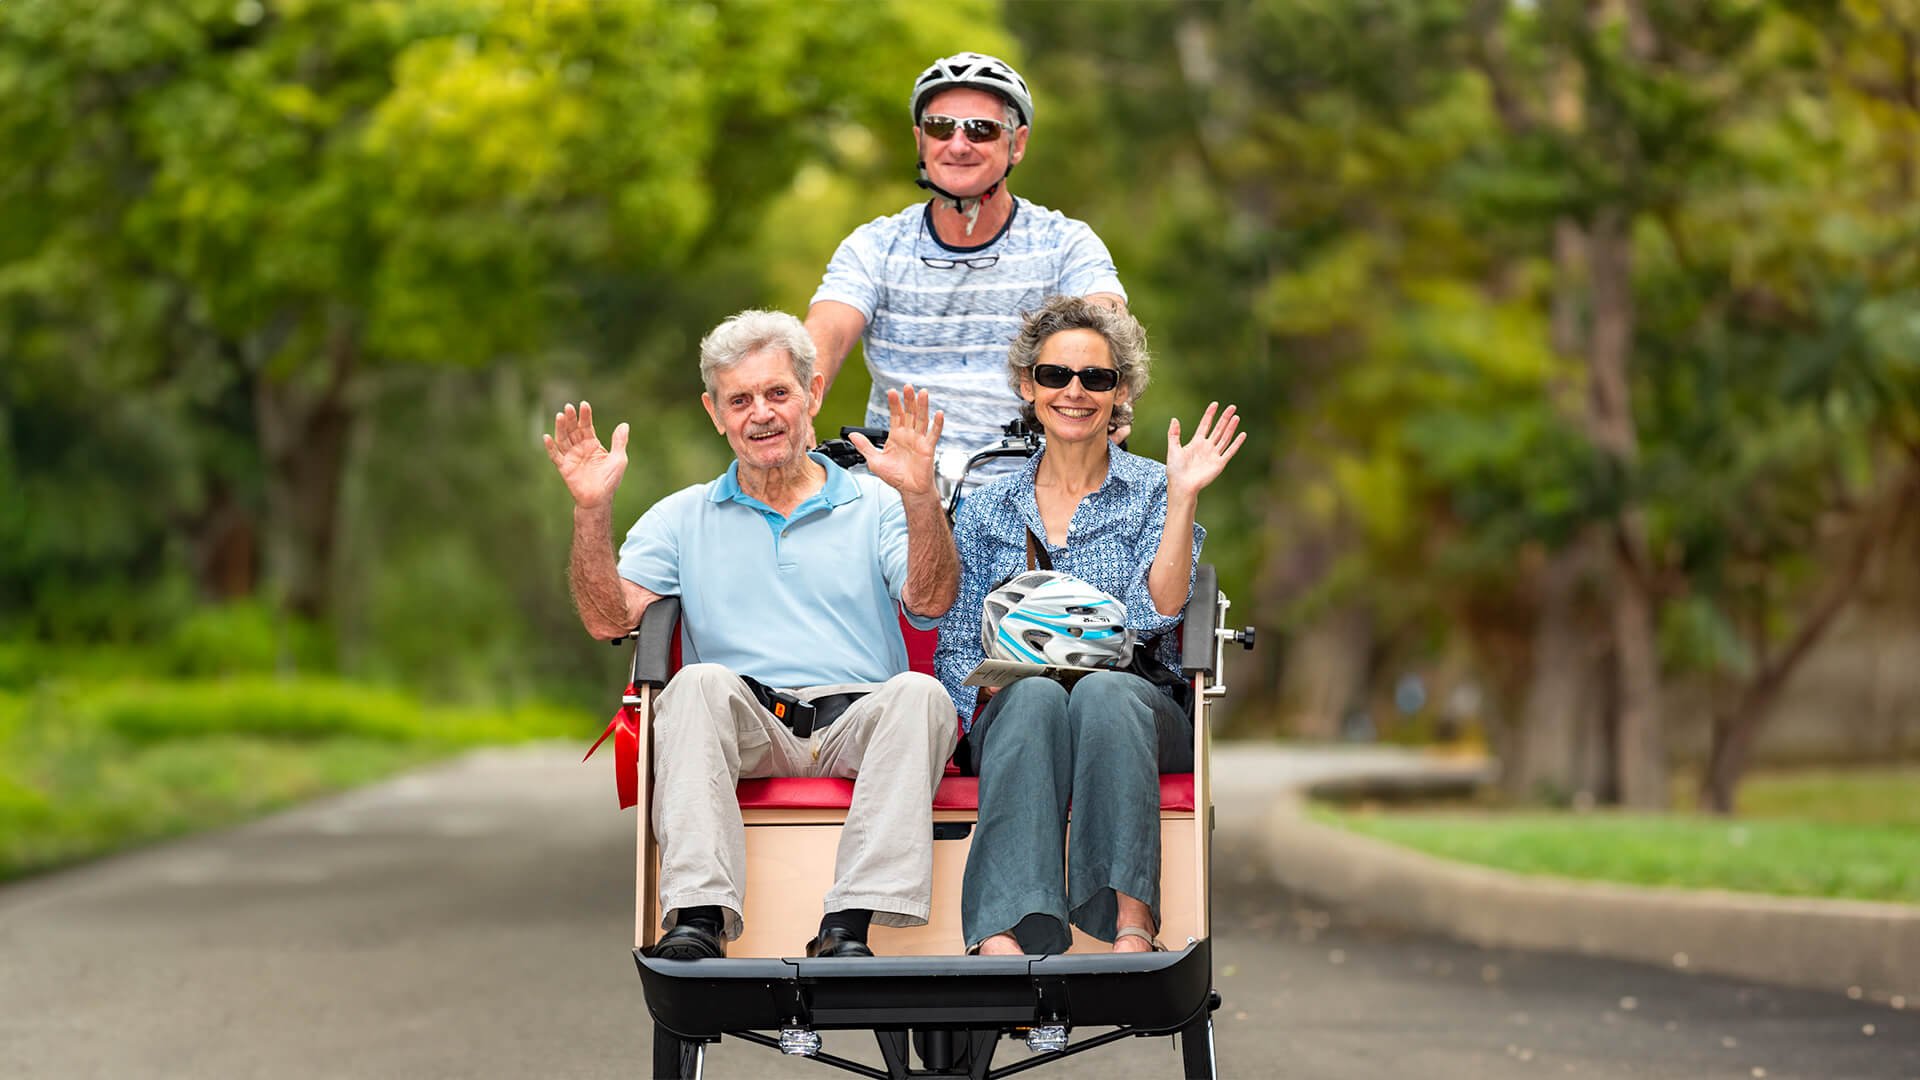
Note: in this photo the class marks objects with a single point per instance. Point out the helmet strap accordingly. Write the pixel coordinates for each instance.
(968, 205)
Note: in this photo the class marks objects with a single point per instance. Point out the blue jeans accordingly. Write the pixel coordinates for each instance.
(1039, 748)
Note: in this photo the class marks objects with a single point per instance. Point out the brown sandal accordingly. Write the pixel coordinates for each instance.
(1143, 934)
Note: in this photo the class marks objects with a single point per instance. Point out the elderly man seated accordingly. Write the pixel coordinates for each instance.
(791, 572)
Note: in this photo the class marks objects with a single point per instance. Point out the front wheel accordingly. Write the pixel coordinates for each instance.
(675, 1058)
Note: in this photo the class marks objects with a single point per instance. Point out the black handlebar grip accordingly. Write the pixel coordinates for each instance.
(1199, 620)
(653, 642)
(875, 435)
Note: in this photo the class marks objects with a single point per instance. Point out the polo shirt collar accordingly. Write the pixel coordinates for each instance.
(839, 489)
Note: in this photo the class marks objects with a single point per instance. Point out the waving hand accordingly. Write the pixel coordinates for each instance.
(1198, 463)
(906, 462)
(592, 471)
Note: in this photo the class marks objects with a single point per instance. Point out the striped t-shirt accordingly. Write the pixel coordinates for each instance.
(946, 330)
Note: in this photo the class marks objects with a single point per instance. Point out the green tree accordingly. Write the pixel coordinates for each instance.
(227, 226)
(1482, 274)
(1784, 381)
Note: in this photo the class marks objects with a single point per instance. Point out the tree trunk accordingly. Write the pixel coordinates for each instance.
(1545, 755)
(226, 548)
(1324, 666)
(303, 434)
(1544, 759)
(1641, 733)
(1735, 731)
(1593, 772)
(1327, 673)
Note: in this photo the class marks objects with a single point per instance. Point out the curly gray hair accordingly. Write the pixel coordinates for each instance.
(1126, 341)
(749, 332)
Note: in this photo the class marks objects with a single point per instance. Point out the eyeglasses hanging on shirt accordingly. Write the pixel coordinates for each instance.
(948, 262)
(978, 262)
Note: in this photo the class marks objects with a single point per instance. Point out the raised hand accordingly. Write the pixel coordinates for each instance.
(592, 471)
(1195, 465)
(906, 462)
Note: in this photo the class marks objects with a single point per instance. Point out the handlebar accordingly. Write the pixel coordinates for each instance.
(1017, 439)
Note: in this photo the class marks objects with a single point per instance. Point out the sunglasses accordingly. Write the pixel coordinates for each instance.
(1096, 379)
(978, 129)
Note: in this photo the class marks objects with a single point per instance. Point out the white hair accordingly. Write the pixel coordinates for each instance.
(750, 332)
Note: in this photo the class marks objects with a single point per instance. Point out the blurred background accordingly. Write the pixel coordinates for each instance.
(1579, 344)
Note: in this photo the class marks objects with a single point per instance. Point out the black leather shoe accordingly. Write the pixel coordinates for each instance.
(688, 942)
(835, 942)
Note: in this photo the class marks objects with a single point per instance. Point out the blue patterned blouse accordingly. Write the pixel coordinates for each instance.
(1111, 541)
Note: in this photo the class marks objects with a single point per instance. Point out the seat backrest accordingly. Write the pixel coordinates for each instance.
(920, 646)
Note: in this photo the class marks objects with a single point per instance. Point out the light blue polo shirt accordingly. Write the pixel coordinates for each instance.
(806, 600)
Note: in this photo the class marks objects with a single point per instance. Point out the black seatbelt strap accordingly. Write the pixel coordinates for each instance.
(802, 717)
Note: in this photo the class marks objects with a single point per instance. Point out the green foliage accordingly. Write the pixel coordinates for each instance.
(301, 708)
(237, 241)
(1842, 836)
(1695, 635)
(146, 793)
(235, 639)
(1349, 228)
(86, 771)
(289, 290)
(1871, 796)
(1291, 217)
(310, 708)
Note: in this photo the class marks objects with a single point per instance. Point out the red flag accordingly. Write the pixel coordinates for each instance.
(625, 729)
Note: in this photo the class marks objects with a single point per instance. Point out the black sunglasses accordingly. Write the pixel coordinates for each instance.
(1096, 379)
(977, 129)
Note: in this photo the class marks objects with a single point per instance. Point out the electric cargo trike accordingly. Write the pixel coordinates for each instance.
(933, 1010)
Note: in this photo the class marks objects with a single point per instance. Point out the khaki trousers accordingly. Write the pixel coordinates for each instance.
(709, 732)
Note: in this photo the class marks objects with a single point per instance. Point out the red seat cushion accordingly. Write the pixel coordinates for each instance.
(955, 793)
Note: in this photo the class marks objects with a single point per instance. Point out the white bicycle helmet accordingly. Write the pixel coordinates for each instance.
(977, 70)
(1047, 617)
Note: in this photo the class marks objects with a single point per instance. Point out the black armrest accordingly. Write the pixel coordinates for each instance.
(1199, 621)
(653, 642)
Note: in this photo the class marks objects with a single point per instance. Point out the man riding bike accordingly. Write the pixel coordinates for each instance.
(936, 291)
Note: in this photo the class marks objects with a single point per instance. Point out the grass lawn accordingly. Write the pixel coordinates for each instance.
(1853, 835)
(86, 772)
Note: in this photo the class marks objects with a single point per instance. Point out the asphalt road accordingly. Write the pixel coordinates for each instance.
(472, 921)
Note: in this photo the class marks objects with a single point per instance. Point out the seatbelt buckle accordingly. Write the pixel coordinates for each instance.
(798, 715)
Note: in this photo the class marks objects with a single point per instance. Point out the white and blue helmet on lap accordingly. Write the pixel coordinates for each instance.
(1047, 617)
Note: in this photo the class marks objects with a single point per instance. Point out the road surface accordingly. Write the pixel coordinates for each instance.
(471, 920)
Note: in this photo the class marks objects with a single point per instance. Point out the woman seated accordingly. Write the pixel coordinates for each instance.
(1122, 524)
